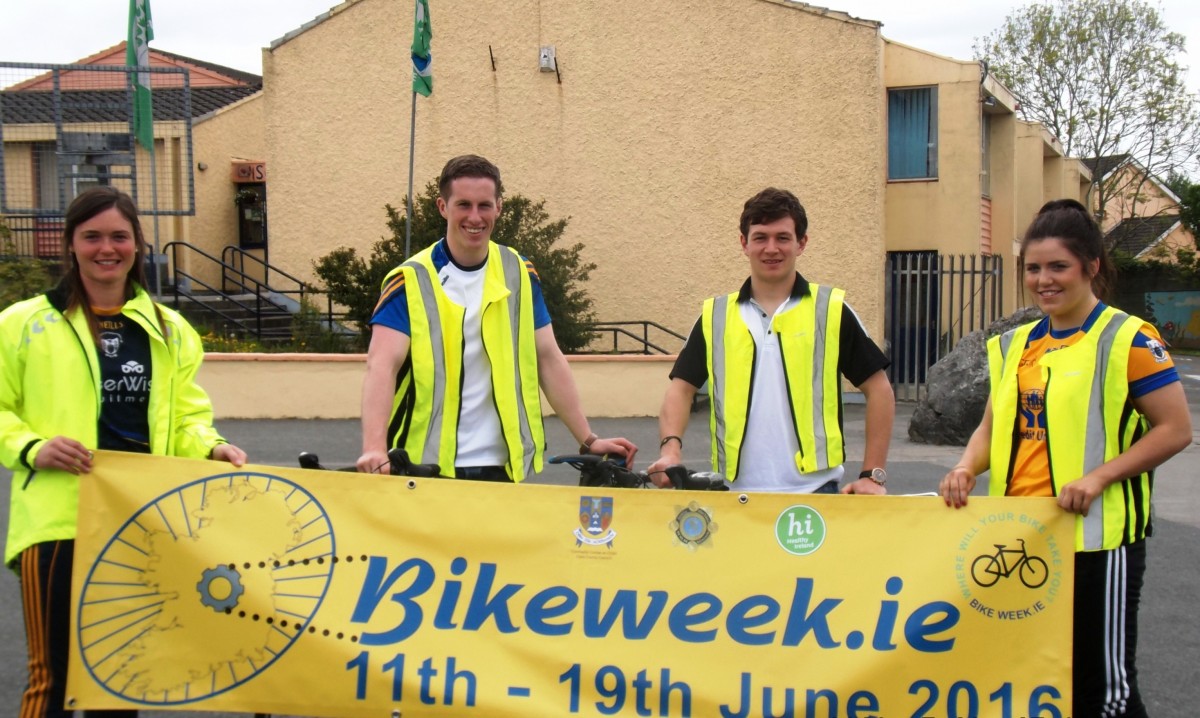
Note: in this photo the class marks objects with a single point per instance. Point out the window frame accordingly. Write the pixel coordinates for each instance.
(932, 142)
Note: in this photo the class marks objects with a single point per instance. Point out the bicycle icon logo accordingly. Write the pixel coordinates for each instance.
(987, 569)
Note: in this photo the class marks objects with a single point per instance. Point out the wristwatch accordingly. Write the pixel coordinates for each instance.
(586, 446)
(877, 475)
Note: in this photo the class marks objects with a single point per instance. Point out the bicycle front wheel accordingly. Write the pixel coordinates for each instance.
(1034, 572)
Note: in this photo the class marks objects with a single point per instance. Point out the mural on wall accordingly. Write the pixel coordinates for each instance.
(1177, 317)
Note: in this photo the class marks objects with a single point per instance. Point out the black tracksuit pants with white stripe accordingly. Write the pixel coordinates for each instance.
(1108, 590)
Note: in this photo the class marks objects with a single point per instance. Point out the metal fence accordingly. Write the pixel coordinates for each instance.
(934, 300)
(64, 128)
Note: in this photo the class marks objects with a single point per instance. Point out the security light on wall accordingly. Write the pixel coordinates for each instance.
(546, 62)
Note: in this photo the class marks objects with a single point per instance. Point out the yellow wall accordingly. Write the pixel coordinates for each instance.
(941, 214)
(233, 132)
(18, 172)
(329, 386)
(668, 117)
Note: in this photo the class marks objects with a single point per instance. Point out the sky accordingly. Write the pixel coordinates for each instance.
(233, 32)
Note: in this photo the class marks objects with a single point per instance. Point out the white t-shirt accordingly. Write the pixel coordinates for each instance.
(480, 440)
(768, 453)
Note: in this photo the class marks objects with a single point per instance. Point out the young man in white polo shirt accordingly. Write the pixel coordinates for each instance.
(773, 354)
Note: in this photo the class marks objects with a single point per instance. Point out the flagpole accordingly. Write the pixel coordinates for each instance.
(412, 143)
(154, 261)
(137, 54)
(422, 85)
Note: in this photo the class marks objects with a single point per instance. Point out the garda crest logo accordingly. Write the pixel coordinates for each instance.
(693, 526)
(595, 521)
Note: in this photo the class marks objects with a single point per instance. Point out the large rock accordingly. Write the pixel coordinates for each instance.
(958, 386)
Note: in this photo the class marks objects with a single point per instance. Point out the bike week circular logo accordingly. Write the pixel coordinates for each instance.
(800, 530)
(1009, 567)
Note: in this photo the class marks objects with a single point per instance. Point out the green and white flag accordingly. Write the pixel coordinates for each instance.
(137, 52)
(422, 60)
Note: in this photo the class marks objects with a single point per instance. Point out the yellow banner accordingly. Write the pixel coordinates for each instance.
(330, 594)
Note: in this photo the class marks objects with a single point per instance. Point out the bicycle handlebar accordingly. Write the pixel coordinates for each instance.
(398, 461)
(597, 470)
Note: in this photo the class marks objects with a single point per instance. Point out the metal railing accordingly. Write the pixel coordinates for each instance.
(268, 301)
(933, 302)
(247, 284)
(643, 345)
(233, 269)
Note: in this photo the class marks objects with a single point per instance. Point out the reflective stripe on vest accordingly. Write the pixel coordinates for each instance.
(437, 399)
(818, 384)
(716, 380)
(513, 267)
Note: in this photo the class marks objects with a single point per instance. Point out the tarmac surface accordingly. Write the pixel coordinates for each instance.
(1169, 638)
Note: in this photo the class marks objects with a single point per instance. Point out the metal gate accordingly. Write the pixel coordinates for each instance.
(933, 301)
(64, 128)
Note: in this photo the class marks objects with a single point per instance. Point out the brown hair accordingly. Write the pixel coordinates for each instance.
(772, 204)
(1070, 222)
(468, 166)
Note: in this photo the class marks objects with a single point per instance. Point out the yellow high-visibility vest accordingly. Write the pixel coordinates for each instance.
(809, 342)
(1089, 421)
(427, 406)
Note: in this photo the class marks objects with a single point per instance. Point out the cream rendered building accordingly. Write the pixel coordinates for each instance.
(662, 119)
(652, 126)
(993, 171)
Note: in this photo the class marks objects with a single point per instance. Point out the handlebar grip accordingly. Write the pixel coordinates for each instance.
(576, 459)
(703, 482)
(424, 471)
(685, 480)
(401, 466)
(309, 461)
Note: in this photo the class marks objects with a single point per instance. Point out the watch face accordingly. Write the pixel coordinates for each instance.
(879, 476)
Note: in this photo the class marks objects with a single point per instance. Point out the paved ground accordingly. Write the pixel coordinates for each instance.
(1169, 644)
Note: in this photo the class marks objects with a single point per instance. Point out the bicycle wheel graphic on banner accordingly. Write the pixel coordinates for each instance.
(162, 622)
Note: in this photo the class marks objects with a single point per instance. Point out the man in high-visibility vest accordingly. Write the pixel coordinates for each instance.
(460, 343)
(773, 354)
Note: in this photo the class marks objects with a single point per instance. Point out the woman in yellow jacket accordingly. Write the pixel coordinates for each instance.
(94, 363)
(1084, 404)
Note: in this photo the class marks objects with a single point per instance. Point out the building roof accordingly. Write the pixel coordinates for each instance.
(72, 77)
(114, 105)
(1102, 166)
(1137, 234)
(241, 76)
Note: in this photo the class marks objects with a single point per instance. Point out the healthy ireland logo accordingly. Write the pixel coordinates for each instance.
(800, 530)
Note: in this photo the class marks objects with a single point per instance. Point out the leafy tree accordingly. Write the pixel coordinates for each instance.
(1188, 193)
(1104, 77)
(524, 225)
(20, 277)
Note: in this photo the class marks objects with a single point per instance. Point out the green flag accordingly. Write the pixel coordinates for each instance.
(422, 35)
(137, 52)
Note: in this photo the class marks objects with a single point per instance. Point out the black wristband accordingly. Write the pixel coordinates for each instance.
(663, 443)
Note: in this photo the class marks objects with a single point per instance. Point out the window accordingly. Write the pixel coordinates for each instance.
(912, 133)
(78, 176)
